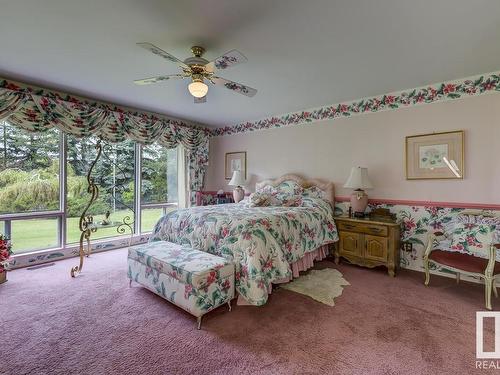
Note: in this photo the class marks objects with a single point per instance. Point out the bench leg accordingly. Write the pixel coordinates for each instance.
(229, 304)
(199, 322)
(488, 284)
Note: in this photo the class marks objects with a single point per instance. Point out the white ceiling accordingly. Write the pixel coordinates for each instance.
(302, 54)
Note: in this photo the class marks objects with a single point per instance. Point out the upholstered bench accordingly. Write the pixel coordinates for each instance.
(470, 247)
(194, 280)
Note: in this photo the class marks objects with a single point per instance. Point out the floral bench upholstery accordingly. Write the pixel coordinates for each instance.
(468, 246)
(194, 280)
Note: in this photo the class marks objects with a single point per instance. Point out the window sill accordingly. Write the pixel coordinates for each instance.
(70, 251)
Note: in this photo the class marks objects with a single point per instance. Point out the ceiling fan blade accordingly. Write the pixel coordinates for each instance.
(227, 60)
(158, 51)
(149, 81)
(238, 87)
(200, 100)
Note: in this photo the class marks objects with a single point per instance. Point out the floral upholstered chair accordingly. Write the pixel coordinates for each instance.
(470, 247)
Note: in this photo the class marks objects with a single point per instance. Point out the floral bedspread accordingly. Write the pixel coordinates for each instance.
(261, 241)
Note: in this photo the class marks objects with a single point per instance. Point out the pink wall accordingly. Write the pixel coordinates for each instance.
(328, 149)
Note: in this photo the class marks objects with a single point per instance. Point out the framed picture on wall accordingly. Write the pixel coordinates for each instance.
(235, 161)
(435, 156)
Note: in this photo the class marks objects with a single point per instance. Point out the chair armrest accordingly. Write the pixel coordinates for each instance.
(430, 240)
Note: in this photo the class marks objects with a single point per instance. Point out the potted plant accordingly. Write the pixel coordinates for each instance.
(5, 253)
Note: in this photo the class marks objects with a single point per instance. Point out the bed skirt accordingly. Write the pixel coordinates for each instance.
(302, 264)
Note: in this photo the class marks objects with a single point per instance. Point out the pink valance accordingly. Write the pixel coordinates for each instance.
(36, 109)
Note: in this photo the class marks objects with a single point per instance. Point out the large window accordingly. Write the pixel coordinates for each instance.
(30, 186)
(35, 234)
(113, 173)
(158, 184)
(43, 186)
(29, 174)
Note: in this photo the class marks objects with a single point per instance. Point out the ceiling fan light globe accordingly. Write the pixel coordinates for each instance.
(198, 89)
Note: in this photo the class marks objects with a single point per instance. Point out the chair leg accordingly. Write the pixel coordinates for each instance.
(488, 284)
(199, 322)
(130, 283)
(495, 288)
(458, 277)
(427, 274)
(229, 304)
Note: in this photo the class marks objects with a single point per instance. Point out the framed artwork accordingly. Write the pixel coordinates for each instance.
(235, 161)
(436, 155)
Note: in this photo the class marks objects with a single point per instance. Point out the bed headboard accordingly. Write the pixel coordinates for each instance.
(327, 187)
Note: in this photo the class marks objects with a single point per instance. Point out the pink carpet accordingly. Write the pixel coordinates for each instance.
(96, 324)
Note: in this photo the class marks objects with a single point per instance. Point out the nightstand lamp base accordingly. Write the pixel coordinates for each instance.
(238, 194)
(238, 181)
(358, 180)
(359, 201)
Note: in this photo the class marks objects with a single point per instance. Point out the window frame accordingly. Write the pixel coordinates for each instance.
(139, 206)
(61, 214)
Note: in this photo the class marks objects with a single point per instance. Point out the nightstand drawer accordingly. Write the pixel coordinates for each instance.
(368, 228)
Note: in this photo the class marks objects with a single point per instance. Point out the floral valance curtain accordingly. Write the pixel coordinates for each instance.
(38, 110)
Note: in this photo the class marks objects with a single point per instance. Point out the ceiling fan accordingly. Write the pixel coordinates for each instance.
(198, 70)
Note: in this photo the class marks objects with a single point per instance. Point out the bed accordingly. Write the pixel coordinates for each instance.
(267, 244)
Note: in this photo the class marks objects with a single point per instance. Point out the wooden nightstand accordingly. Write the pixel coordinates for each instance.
(368, 242)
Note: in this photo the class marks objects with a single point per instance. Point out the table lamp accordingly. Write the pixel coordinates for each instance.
(359, 180)
(238, 181)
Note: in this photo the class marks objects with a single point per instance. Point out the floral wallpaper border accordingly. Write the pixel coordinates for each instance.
(450, 90)
(466, 87)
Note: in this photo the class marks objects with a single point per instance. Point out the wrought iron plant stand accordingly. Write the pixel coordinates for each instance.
(86, 224)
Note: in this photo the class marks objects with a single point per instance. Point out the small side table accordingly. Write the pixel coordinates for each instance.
(368, 243)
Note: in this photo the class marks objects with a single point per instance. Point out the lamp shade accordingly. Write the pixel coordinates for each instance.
(198, 88)
(358, 179)
(237, 179)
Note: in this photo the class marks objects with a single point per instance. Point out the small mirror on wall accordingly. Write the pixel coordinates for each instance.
(435, 156)
(236, 161)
